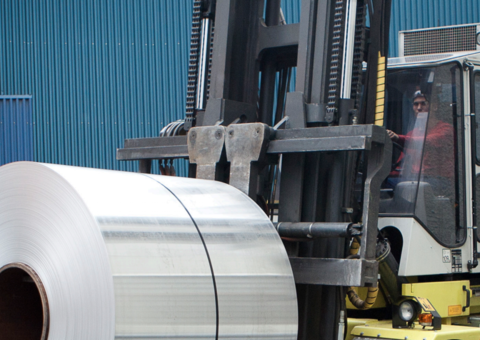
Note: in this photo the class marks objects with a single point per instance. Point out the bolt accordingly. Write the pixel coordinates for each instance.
(218, 134)
(193, 134)
(230, 133)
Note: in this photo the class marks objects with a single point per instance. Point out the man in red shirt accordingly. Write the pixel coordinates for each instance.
(435, 144)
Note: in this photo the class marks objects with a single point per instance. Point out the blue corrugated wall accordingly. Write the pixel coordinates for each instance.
(412, 14)
(16, 129)
(101, 71)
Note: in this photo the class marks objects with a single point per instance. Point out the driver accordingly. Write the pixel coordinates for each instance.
(437, 163)
(420, 104)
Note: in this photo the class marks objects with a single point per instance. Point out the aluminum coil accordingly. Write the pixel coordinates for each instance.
(96, 254)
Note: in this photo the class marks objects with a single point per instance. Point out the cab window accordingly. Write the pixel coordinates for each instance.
(425, 122)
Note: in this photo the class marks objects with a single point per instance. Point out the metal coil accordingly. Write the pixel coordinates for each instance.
(97, 254)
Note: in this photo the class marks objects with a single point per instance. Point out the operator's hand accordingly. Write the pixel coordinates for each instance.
(393, 136)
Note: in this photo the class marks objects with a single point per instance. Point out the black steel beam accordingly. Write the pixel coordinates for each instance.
(153, 148)
(279, 36)
(234, 61)
(312, 230)
(334, 272)
(337, 138)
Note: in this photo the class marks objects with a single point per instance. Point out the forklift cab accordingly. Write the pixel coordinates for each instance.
(424, 112)
(428, 200)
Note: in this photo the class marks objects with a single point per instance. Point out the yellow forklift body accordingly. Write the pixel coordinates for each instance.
(449, 297)
(384, 330)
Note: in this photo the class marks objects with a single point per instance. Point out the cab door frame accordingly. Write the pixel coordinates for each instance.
(472, 104)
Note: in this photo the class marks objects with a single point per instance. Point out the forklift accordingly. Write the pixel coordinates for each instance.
(368, 169)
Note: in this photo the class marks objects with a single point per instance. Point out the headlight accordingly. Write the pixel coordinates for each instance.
(407, 311)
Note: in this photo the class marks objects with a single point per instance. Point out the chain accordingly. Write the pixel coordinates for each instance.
(333, 82)
(358, 56)
(193, 63)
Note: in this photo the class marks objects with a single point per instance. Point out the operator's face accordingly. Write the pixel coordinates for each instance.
(420, 104)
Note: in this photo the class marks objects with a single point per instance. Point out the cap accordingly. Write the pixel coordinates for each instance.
(419, 94)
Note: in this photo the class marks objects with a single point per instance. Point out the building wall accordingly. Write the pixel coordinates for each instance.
(100, 71)
(414, 14)
(16, 129)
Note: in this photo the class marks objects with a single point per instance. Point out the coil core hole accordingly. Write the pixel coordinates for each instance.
(23, 304)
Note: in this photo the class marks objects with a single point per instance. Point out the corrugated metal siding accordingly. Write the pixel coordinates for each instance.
(413, 14)
(100, 71)
(16, 129)
(291, 11)
(105, 70)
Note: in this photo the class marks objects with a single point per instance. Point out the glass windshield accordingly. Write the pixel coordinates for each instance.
(423, 119)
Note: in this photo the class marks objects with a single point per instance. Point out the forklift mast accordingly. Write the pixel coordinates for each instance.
(297, 154)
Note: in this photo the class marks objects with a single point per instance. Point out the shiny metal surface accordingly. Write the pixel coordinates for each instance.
(205, 37)
(256, 290)
(121, 255)
(161, 275)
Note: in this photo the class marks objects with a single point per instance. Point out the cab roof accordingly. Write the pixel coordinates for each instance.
(473, 56)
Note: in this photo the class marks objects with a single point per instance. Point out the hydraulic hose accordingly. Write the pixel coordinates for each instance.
(387, 267)
(352, 294)
(372, 294)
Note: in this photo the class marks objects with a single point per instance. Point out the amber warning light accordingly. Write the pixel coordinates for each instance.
(425, 319)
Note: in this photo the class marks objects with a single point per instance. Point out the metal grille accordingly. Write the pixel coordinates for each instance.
(442, 40)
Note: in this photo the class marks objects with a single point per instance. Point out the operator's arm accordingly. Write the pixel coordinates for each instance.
(435, 137)
(399, 139)
(393, 136)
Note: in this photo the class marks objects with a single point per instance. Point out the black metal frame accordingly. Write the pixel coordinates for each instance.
(319, 151)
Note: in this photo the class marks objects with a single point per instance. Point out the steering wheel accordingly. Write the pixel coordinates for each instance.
(400, 159)
(398, 146)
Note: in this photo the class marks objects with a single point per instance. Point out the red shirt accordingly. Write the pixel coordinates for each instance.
(438, 156)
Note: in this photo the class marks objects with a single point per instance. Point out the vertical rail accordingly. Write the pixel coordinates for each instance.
(267, 89)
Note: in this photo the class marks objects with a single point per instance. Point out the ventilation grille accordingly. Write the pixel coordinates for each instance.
(439, 40)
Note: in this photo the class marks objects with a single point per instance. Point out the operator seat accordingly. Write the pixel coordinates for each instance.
(436, 213)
